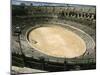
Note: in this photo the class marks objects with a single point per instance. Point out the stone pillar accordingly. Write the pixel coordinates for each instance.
(42, 60)
(78, 15)
(75, 13)
(81, 15)
(88, 16)
(66, 66)
(64, 13)
(68, 14)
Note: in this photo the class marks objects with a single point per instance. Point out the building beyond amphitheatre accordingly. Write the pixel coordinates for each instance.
(52, 37)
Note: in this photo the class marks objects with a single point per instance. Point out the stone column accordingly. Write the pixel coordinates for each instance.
(78, 15)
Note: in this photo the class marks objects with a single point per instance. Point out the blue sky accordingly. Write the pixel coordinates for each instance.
(17, 2)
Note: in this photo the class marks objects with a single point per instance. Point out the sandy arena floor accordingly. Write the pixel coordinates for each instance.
(57, 41)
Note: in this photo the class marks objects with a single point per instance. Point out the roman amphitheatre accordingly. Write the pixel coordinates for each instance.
(56, 41)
